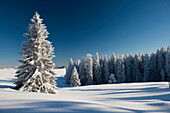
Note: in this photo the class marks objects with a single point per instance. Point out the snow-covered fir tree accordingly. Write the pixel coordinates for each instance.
(136, 72)
(153, 73)
(36, 75)
(125, 61)
(157, 66)
(112, 79)
(112, 64)
(122, 77)
(77, 64)
(129, 68)
(102, 68)
(106, 69)
(168, 63)
(69, 71)
(74, 81)
(140, 67)
(97, 70)
(146, 67)
(89, 69)
(161, 62)
(82, 71)
(118, 70)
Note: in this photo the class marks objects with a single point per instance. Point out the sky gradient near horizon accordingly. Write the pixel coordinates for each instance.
(78, 27)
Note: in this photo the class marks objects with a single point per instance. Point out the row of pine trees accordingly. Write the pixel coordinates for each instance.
(121, 69)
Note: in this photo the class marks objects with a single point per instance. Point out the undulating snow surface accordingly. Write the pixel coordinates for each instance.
(110, 98)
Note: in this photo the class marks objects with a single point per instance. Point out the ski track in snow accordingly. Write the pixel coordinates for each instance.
(109, 98)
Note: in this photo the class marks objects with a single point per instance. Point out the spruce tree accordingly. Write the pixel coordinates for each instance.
(136, 72)
(140, 67)
(82, 71)
(106, 70)
(168, 63)
(69, 71)
(102, 68)
(118, 70)
(89, 69)
(153, 73)
(74, 79)
(146, 67)
(125, 64)
(97, 70)
(112, 64)
(129, 68)
(161, 63)
(122, 77)
(35, 74)
(77, 64)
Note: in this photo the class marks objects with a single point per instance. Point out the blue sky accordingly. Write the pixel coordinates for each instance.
(78, 27)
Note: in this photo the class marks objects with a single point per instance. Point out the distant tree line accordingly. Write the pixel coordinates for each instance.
(120, 69)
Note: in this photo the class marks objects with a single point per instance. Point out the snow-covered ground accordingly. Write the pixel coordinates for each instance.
(114, 98)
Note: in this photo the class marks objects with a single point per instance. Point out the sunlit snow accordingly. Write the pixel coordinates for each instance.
(110, 98)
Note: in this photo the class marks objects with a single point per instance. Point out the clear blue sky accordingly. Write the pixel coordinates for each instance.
(78, 27)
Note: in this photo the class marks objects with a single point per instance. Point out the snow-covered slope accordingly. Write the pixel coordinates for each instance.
(114, 98)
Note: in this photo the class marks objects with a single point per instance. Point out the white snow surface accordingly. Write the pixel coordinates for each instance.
(110, 98)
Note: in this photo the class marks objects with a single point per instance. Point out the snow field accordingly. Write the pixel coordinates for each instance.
(109, 98)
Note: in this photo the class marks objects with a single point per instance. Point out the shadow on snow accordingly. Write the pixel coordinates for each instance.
(70, 107)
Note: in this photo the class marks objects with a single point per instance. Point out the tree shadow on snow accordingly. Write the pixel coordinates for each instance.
(150, 90)
(53, 107)
(6, 86)
(12, 80)
(163, 97)
(67, 107)
(130, 110)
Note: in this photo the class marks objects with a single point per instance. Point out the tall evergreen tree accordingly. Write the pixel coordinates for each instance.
(77, 64)
(122, 77)
(157, 65)
(161, 63)
(69, 71)
(36, 75)
(129, 67)
(112, 64)
(97, 70)
(106, 70)
(142, 68)
(141, 71)
(118, 70)
(125, 64)
(102, 69)
(136, 72)
(168, 63)
(82, 71)
(74, 79)
(153, 73)
(146, 67)
(89, 69)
